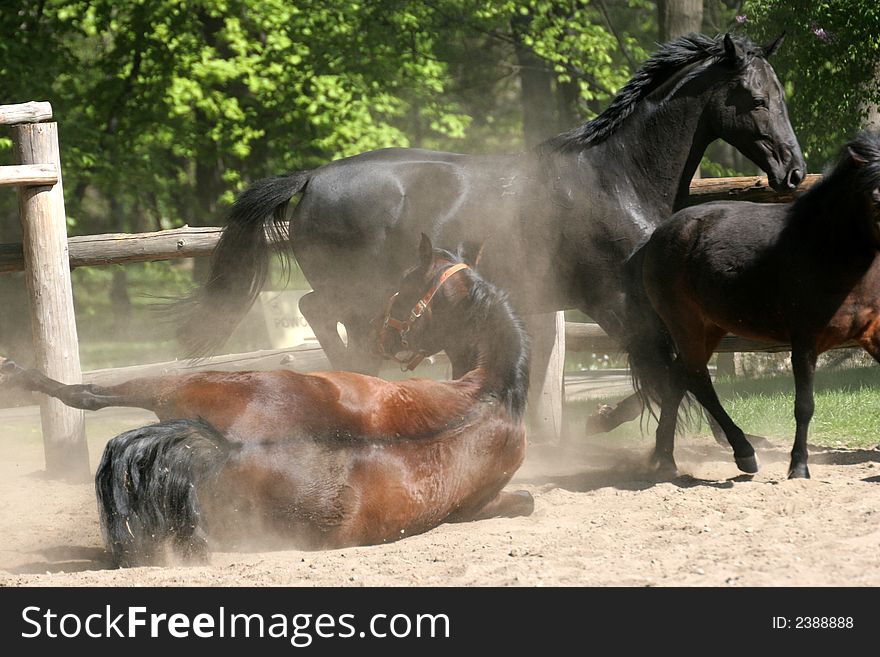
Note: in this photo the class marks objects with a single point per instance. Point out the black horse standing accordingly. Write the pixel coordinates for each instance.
(558, 222)
(806, 272)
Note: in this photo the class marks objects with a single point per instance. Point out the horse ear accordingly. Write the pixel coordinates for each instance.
(471, 252)
(773, 46)
(857, 159)
(426, 251)
(730, 48)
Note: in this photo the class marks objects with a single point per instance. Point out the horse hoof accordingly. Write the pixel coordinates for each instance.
(748, 464)
(600, 420)
(524, 504)
(8, 369)
(799, 472)
(664, 468)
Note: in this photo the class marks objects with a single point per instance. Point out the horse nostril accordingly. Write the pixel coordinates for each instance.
(795, 176)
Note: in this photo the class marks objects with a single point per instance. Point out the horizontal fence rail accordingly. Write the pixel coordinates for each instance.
(188, 242)
(28, 174)
(33, 112)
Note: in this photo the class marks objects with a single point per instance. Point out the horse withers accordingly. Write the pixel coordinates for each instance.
(323, 460)
(807, 273)
(558, 221)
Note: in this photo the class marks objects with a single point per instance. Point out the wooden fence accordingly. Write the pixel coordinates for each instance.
(46, 256)
(45, 261)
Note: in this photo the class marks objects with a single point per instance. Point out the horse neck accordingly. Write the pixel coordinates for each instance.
(659, 147)
(490, 346)
(835, 212)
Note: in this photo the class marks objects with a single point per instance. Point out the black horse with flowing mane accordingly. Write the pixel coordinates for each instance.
(806, 272)
(558, 222)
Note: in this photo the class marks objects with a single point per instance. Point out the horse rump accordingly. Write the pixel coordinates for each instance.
(148, 484)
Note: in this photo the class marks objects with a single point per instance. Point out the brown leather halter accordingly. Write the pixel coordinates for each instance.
(403, 326)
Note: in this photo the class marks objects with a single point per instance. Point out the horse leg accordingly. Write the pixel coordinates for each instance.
(663, 459)
(323, 318)
(86, 396)
(504, 505)
(700, 385)
(803, 365)
(611, 417)
(362, 342)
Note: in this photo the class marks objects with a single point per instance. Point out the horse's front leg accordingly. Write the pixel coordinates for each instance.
(504, 505)
(803, 365)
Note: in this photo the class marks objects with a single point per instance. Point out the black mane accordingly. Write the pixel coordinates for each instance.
(668, 60)
(845, 175)
(488, 310)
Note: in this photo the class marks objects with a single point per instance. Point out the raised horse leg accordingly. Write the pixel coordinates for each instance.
(323, 316)
(803, 365)
(85, 396)
(608, 417)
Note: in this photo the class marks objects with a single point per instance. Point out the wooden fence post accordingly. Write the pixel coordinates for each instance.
(47, 273)
(546, 397)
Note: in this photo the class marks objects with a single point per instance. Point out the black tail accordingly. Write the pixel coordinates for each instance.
(147, 486)
(650, 347)
(239, 266)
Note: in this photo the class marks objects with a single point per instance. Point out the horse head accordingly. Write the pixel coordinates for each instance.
(861, 163)
(749, 112)
(417, 319)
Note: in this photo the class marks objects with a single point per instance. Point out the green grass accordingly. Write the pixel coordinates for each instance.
(847, 406)
(847, 409)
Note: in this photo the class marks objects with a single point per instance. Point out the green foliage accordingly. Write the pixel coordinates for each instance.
(829, 63)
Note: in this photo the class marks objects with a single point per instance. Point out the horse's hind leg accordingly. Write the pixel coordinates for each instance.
(611, 417)
(85, 396)
(322, 319)
(700, 384)
(696, 342)
(504, 505)
(803, 365)
(324, 316)
(663, 458)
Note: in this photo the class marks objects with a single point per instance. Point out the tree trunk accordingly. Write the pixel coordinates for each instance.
(678, 17)
(872, 121)
(536, 88)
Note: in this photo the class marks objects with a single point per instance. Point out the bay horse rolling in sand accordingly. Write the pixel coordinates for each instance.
(558, 222)
(329, 459)
(807, 273)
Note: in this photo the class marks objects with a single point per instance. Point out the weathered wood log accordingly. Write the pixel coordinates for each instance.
(746, 188)
(29, 174)
(117, 248)
(47, 277)
(32, 112)
(303, 358)
(186, 242)
(590, 337)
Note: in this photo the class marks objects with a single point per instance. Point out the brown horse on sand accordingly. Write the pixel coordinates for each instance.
(323, 460)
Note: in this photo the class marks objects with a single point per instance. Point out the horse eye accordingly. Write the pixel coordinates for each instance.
(759, 102)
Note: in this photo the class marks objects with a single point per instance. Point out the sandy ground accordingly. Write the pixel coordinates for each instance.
(599, 520)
